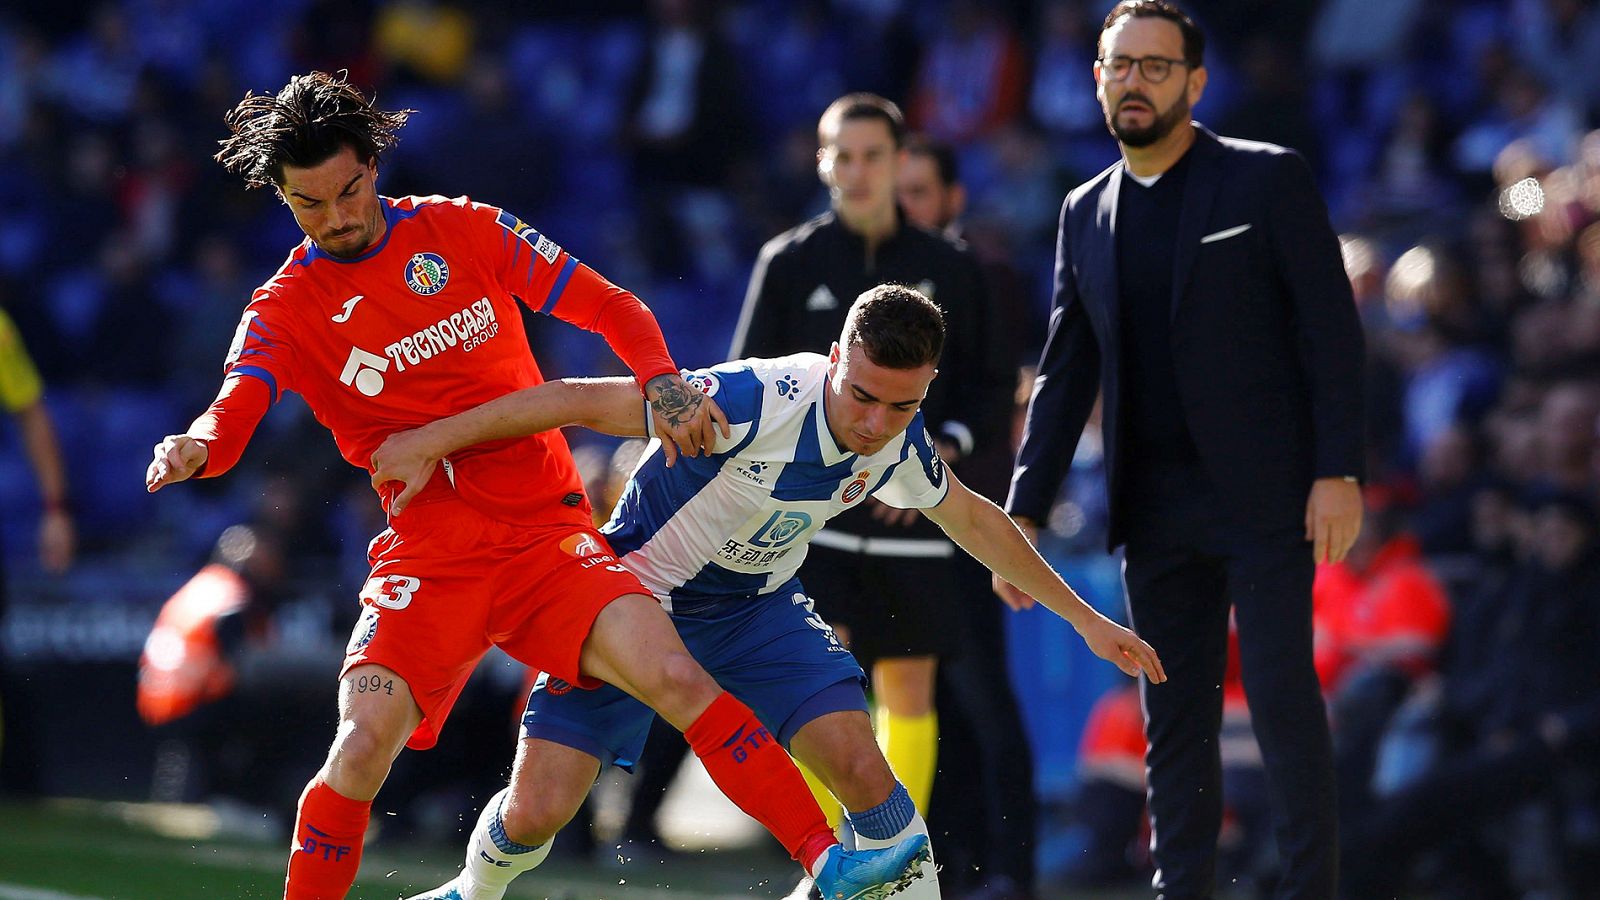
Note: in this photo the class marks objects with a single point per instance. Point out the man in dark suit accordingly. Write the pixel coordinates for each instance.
(1199, 286)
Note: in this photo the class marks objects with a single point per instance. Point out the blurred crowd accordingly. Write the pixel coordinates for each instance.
(662, 142)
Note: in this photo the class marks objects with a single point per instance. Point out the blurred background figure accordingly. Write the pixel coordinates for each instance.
(22, 396)
(981, 736)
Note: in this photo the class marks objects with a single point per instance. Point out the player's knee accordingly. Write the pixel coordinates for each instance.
(534, 818)
(360, 760)
(863, 780)
(683, 680)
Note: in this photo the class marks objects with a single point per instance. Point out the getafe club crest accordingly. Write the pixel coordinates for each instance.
(427, 274)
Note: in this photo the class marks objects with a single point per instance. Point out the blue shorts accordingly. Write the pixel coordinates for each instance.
(772, 652)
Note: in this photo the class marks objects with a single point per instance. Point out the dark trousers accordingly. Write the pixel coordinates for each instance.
(1181, 582)
(983, 810)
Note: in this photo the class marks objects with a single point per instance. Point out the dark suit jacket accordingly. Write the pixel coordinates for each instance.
(1266, 344)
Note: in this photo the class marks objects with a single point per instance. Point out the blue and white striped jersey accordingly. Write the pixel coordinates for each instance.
(736, 523)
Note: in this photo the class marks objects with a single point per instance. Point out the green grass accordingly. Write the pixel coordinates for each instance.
(77, 849)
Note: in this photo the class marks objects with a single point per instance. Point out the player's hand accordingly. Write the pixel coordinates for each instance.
(1011, 594)
(1123, 648)
(406, 457)
(891, 515)
(1333, 518)
(57, 540)
(177, 457)
(685, 420)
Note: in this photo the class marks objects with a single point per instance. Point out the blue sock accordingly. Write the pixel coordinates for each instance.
(497, 833)
(888, 818)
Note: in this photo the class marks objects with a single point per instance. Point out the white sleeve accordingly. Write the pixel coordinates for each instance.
(918, 480)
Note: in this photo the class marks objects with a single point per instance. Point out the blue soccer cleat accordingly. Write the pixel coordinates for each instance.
(872, 874)
(448, 891)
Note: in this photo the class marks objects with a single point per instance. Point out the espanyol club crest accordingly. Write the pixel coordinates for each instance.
(427, 274)
(856, 487)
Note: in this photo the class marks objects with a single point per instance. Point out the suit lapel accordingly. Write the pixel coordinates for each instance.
(1105, 255)
(1199, 192)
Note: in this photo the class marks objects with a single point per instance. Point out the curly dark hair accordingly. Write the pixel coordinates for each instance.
(897, 326)
(305, 124)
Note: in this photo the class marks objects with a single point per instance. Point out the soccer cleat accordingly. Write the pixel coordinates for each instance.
(448, 891)
(872, 874)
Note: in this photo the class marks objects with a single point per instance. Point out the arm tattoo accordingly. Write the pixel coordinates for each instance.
(676, 402)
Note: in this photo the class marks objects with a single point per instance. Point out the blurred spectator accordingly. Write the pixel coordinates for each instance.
(971, 81)
(1523, 107)
(22, 396)
(1537, 723)
(685, 130)
(1560, 39)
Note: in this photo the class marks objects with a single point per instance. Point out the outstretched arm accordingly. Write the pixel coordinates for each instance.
(984, 531)
(608, 405)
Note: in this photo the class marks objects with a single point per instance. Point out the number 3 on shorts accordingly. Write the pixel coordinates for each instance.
(391, 591)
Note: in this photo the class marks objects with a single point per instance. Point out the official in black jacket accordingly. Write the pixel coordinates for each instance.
(884, 574)
(1199, 287)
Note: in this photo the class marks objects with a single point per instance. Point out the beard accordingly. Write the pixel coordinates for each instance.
(1160, 126)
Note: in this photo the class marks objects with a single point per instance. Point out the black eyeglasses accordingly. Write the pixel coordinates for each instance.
(1153, 69)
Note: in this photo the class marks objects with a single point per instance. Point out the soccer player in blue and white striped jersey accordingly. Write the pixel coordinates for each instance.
(718, 539)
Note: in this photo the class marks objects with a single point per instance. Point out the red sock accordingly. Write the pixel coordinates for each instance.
(750, 767)
(327, 844)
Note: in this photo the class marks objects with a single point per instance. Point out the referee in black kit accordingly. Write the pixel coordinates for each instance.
(884, 576)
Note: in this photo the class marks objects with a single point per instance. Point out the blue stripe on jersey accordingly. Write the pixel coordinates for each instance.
(257, 372)
(739, 394)
(807, 478)
(654, 494)
(927, 453)
(560, 285)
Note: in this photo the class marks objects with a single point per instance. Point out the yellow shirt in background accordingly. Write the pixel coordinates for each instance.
(19, 380)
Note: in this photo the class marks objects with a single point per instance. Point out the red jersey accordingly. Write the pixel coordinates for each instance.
(422, 326)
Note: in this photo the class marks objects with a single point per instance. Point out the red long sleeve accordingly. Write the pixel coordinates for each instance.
(595, 304)
(226, 426)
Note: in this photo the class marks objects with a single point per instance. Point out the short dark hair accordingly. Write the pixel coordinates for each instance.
(942, 154)
(306, 123)
(897, 326)
(1194, 40)
(862, 106)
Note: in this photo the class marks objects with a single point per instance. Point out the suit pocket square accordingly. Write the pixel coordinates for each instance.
(1225, 233)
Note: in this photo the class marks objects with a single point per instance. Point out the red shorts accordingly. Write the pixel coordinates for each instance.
(458, 581)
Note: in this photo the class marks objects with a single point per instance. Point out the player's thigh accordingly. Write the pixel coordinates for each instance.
(633, 645)
(376, 715)
(904, 684)
(549, 782)
(840, 748)
(776, 655)
(557, 592)
(425, 610)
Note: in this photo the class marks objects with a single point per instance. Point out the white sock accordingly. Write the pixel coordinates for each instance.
(492, 864)
(924, 888)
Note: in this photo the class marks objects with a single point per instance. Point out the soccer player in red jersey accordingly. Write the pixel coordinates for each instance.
(396, 312)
